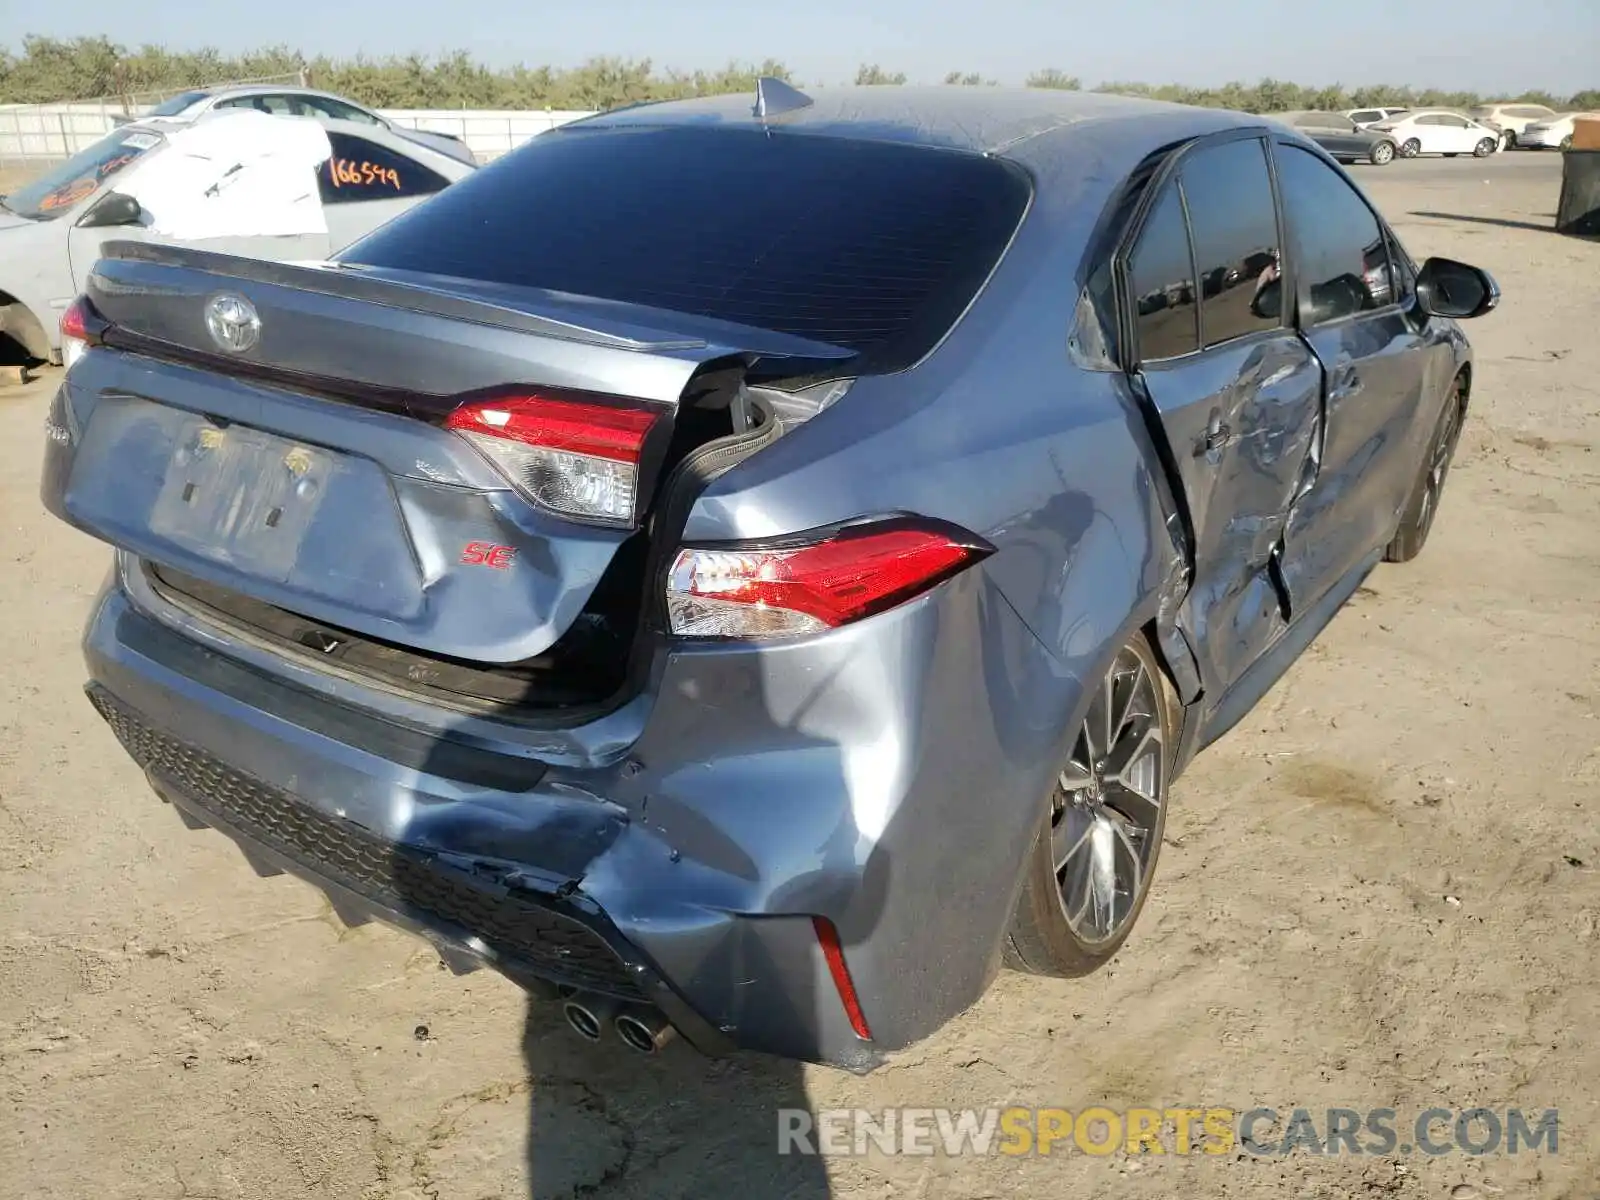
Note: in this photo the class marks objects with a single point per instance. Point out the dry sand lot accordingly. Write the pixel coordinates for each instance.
(1381, 890)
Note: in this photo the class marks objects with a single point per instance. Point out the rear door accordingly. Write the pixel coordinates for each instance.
(1236, 390)
(1352, 311)
(364, 184)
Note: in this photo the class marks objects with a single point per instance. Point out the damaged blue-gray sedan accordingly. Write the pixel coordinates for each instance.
(751, 570)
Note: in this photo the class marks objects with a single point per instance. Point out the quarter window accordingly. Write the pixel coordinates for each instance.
(327, 106)
(363, 170)
(1341, 254)
(278, 106)
(1234, 223)
(1161, 283)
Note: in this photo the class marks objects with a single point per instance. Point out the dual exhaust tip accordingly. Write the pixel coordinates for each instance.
(642, 1029)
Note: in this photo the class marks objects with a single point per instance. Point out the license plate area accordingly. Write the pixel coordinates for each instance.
(239, 496)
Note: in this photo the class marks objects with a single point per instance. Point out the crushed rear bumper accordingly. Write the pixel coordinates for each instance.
(886, 777)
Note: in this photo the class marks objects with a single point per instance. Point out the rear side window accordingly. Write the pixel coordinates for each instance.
(1235, 227)
(327, 106)
(362, 170)
(872, 246)
(1341, 252)
(278, 106)
(1161, 283)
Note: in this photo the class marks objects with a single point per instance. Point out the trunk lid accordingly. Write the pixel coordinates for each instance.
(311, 470)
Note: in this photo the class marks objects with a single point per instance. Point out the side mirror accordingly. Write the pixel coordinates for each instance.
(1267, 303)
(1446, 288)
(115, 208)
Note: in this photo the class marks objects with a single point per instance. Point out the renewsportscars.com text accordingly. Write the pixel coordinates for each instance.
(1199, 1130)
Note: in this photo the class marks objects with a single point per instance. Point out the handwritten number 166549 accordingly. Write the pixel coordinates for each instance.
(349, 173)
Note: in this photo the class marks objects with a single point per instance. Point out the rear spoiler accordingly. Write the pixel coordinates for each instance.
(588, 320)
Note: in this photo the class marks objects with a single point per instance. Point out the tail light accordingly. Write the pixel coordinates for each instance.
(80, 328)
(806, 587)
(574, 457)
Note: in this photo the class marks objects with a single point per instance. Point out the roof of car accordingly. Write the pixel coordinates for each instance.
(984, 120)
(275, 89)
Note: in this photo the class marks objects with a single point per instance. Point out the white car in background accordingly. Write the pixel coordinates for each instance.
(279, 101)
(1440, 131)
(1512, 119)
(234, 181)
(1554, 134)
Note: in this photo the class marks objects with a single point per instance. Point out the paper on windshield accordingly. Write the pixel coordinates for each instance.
(235, 174)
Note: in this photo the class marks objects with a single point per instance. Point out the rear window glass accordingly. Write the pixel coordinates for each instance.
(871, 246)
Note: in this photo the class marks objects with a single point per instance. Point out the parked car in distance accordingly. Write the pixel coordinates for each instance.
(1511, 119)
(741, 605)
(1364, 117)
(281, 101)
(1439, 131)
(1344, 140)
(1554, 134)
(51, 230)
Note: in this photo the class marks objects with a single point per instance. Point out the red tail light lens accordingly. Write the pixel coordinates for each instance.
(798, 589)
(573, 457)
(80, 326)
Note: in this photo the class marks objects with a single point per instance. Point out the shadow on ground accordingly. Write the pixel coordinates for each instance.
(604, 1119)
(1504, 222)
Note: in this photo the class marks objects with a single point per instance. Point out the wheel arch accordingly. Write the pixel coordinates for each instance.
(20, 323)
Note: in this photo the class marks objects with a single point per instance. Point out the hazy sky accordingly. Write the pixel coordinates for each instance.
(1483, 45)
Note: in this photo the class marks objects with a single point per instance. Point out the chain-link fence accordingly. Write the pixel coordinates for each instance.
(34, 137)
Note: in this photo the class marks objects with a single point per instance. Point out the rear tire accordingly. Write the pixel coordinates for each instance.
(1100, 833)
(1382, 154)
(1417, 520)
(1484, 148)
(1508, 140)
(1410, 148)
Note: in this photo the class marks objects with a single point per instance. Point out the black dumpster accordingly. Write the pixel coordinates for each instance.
(1579, 210)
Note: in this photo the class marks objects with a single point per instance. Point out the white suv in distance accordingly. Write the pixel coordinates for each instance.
(1512, 119)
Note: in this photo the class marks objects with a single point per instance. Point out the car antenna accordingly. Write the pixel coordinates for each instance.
(774, 97)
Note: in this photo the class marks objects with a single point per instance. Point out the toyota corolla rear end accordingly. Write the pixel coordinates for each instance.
(404, 605)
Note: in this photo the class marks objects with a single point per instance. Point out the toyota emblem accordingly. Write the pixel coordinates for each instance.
(232, 322)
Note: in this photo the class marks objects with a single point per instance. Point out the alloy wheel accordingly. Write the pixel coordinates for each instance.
(1105, 820)
(1444, 449)
(1410, 148)
(1382, 153)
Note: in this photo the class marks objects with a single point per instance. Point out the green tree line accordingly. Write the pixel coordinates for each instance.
(55, 69)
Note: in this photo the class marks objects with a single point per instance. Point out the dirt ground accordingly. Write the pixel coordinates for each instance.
(1381, 890)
